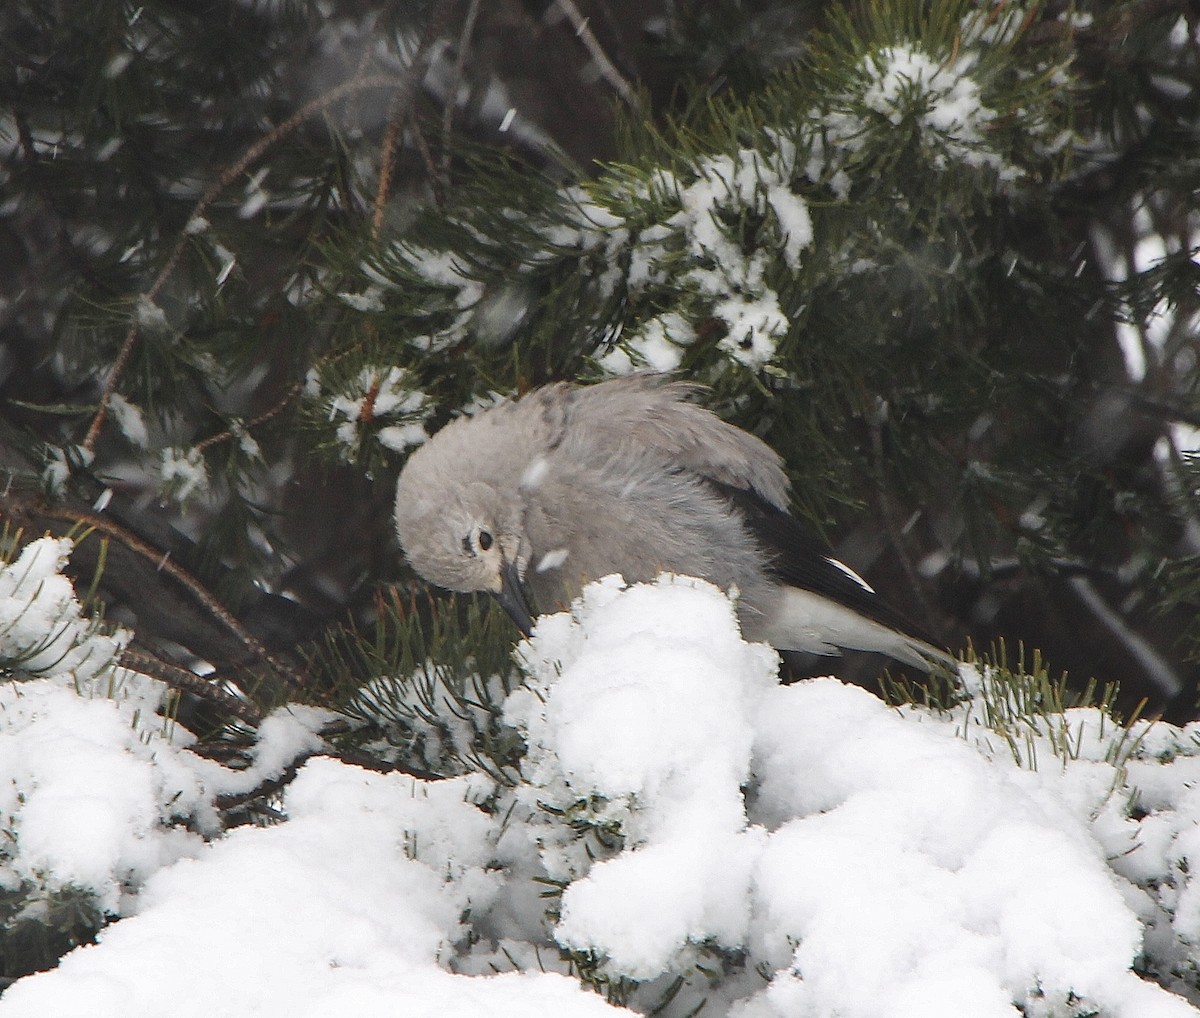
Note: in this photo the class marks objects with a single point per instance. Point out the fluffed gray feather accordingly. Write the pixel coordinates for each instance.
(569, 484)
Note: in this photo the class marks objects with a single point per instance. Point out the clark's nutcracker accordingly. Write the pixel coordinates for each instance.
(568, 484)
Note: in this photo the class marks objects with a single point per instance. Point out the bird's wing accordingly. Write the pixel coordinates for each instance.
(797, 558)
(650, 414)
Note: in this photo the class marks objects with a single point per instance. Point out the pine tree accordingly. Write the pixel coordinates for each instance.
(942, 256)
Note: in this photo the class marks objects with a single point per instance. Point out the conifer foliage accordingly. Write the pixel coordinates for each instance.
(942, 256)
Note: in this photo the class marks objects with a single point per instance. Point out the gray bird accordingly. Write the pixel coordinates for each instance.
(568, 484)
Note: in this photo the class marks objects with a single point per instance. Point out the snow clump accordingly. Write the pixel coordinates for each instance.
(379, 394)
(100, 791)
(681, 831)
(943, 98)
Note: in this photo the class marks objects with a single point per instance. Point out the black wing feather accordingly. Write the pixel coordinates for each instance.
(799, 558)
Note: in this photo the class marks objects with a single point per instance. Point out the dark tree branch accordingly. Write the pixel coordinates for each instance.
(141, 660)
(108, 527)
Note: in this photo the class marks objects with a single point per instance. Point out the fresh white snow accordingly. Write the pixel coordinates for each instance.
(379, 393)
(128, 418)
(183, 472)
(678, 817)
(945, 99)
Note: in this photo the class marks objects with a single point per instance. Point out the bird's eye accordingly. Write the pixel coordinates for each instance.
(485, 540)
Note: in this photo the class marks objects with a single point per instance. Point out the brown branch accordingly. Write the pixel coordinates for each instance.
(405, 85)
(273, 785)
(189, 682)
(110, 528)
(290, 394)
(403, 108)
(252, 154)
(608, 70)
(387, 161)
(370, 763)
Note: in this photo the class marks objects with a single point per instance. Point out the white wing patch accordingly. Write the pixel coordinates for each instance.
(552, 560)
(851, 573)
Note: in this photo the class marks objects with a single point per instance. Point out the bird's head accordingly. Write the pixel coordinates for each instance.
(464, 536)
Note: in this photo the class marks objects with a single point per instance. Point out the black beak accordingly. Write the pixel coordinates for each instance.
(512, 598)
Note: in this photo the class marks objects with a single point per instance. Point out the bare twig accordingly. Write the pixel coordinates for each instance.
(1156, 669)
(608, 70)
(290, 394)
(275, 410)
(1104, 32)
(180, 678)
(403, 108)
(460, 63)
(439, 192)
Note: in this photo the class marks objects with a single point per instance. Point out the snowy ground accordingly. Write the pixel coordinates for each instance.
(684, 826)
